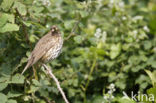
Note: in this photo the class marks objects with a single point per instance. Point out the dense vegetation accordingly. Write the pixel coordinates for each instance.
(109, 47)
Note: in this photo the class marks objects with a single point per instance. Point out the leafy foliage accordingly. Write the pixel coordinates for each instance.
(105, 41)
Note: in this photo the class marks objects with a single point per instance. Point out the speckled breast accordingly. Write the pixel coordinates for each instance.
(53, 52)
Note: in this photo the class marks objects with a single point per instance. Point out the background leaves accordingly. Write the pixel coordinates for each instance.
(112, 41)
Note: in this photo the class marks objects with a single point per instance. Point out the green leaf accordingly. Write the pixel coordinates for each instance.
(10, 18)
(97, 99)
(6, 4)
(33, 89)
(125, 100)
(125, 47)
(36, 10)
(4, 79)
(78, 39)
(120, 84)
(5, 69)
(129, 39)
(152, 92)
(152, 76)
(43, 92)
(115, 50)
(53, 89)
(32, 38)
(3, 98)
(12, 94)
(69, 24)
(147, 45)
(42, 101)
(151, 61)
(27, 23)
(3, 86)
(11, 101)
(83, 14)
(9, 27)
(17, 79)
(4, 17)
(36, 83)
(21, 8)
(71, 92)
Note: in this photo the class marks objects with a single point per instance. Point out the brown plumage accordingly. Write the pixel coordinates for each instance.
(46, 49)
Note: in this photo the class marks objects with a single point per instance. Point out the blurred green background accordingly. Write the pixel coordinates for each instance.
(109, 47)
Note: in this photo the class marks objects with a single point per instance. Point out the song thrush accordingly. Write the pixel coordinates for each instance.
(46, 49)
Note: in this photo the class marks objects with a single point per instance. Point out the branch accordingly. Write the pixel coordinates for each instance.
(72, 31)
(23, 26)
(49, 71)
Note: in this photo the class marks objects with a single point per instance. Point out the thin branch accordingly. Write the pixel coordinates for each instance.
(72, 31)
(49, 71)
(90, 73)
(23, 26)
(88, 80)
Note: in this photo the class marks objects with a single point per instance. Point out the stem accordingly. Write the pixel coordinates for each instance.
(88, 81)
(49, 71)
(23, 26)
(90, 73)
(72, 31)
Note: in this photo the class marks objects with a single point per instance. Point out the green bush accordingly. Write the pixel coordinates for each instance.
(105, 41)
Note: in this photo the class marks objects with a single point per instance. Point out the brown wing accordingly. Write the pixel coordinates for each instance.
(43, 45)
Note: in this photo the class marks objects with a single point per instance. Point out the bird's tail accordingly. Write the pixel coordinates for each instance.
(26, 67)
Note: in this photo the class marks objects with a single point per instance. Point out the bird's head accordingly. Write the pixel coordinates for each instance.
(54, 30)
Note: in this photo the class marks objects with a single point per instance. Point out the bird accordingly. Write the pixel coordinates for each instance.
(46, 49)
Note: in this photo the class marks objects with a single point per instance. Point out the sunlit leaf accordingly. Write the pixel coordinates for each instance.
(152, 76)
(3, 86)
(36, 83)
(9, 27)
(115, 51)
(17, 79)
(13, 94)
(11, 101)
(20, 7)
(6, 4)
(78, 39)
(3, 98)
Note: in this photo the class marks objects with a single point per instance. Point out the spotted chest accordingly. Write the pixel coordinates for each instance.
(53, 52)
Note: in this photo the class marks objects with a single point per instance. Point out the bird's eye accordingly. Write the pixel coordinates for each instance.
(54, 29)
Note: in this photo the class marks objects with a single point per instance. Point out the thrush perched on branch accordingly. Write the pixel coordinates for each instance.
(46, 49)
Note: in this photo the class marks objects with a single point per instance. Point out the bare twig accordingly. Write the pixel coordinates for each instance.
(72, 31)
(49, 71)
